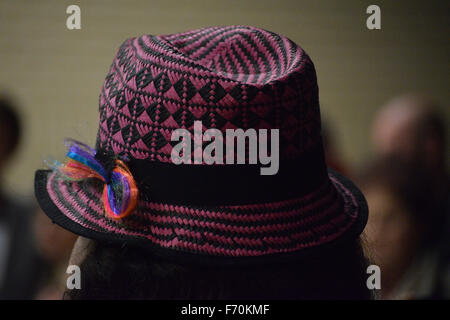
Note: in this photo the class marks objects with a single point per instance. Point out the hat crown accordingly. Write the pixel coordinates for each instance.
(227, 77)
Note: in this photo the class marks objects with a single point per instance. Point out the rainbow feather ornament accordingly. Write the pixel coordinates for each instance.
(120, 192)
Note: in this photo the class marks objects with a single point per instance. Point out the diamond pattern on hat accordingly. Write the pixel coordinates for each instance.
(236, 77)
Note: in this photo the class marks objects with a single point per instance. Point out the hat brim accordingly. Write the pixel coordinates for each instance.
(225, 235)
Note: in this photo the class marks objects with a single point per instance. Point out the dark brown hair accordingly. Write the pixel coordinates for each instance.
(125, 272)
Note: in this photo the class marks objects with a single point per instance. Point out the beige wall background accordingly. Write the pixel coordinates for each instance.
(55, 74)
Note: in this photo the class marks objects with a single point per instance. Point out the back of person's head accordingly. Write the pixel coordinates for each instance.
(128, 272)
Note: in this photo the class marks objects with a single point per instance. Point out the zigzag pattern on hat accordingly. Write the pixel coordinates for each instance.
(227, 77)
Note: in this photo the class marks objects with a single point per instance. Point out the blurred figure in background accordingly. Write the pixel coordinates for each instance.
(18, 259)
(408, 195)
(411, 128)
(402, 231)
(33, 250)
(54, 245)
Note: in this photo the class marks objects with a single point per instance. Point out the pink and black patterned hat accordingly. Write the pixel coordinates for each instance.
(227, 78)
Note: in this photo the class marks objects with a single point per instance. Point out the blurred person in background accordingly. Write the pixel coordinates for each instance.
(54, 245)
(18, 259)
(410, 128)
(403, 226)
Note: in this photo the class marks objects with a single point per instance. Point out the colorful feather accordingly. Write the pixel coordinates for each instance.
(120, 193)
